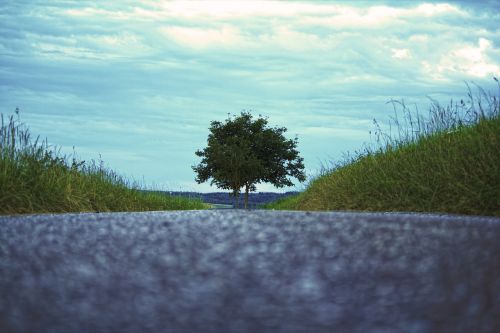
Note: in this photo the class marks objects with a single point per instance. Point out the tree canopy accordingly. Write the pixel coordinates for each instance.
(243, 151)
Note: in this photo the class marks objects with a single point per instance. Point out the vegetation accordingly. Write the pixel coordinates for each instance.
(35, 178)
(243, 152)
(446, 162)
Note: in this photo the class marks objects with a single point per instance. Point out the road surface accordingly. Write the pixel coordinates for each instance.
(249, 271)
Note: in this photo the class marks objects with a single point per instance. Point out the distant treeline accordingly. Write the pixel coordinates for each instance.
(224, 198)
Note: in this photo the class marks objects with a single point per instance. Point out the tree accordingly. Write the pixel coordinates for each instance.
(243, 152)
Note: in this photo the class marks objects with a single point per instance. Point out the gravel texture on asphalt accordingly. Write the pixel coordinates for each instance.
(249, 271)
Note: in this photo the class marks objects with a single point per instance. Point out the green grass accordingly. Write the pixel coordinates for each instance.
(447, 162)
(35, 178)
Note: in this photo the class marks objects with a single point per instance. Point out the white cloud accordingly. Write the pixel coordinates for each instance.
(466, 59)
(236, 9)
(277, 38)
(323, 14)
(474, 54)
(401, 53)
(429, 9)
(204, 38)
(351, 17)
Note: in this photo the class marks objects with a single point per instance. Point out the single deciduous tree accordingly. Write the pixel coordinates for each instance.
(242, 152)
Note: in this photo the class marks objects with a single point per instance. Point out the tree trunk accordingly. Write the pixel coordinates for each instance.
(236, 195)
(246, 196)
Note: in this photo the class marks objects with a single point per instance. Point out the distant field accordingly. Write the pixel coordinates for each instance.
(255, 200)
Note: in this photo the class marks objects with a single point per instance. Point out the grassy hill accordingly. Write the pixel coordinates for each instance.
(35, 178)
(448, 162)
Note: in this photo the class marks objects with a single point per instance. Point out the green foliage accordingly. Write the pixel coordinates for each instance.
(242, 152)
(37, 179)
(287, 203)
(448, 162)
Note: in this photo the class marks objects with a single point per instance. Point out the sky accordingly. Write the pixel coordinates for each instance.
(137, 83)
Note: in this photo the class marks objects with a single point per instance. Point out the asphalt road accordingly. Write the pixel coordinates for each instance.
(256, 271)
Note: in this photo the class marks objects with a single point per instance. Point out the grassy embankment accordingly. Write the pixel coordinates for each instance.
(447, 162)
(36, 178)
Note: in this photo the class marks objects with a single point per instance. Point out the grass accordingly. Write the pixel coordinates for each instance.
(36, 178)
(446, 162)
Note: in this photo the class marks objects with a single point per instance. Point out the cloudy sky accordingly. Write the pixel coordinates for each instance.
(138, 82)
